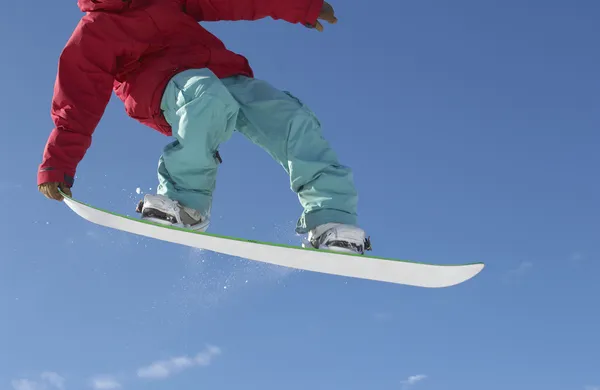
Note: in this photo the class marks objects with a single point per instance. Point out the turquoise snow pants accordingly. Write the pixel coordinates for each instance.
(204, 110)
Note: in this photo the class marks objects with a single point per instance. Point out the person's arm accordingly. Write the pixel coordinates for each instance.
(82, 91)
(304, 12)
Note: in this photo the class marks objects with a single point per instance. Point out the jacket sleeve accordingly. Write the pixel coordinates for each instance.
(82, 91)
(293, 11)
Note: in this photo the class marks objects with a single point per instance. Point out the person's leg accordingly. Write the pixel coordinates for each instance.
(202, 114)
(290, 132)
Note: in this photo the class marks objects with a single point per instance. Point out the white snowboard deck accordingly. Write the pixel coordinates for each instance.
(328, 262)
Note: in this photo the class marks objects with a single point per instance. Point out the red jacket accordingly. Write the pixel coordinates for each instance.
(134, 47)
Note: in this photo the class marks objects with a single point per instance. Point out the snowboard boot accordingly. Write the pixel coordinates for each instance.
(338, 237)
(160, 209)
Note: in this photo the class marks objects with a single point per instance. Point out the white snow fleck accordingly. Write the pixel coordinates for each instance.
(138, 190)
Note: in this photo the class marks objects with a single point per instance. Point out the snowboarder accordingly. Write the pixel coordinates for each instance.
(177, 78)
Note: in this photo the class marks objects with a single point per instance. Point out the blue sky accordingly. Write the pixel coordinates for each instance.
(473, 131)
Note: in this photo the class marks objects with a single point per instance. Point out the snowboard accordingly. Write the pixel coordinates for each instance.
(309, 259)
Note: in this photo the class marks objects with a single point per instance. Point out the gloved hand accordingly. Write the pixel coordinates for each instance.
(327, 14)
(50, 190)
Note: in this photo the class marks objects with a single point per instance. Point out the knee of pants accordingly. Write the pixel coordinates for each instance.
(204, 109)
(201, 86)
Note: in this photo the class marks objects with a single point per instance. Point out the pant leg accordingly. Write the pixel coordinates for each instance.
(203, 114)
(290, 132)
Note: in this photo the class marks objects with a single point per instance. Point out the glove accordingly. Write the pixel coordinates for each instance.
(50, 190)
(327, 14)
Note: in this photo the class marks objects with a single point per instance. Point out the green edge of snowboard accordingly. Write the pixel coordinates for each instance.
(256, 241)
